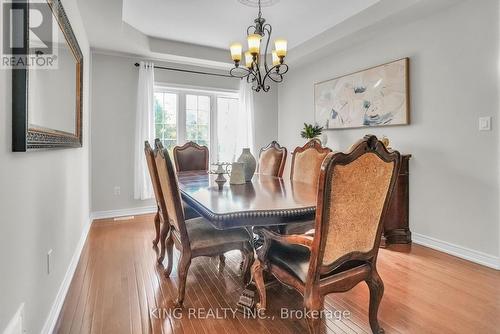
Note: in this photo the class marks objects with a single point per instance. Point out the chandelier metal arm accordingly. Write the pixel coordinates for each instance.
(267, 28)
(234, 73)
(253, 75)
(276, 69)
(258, 74)
(250, 27)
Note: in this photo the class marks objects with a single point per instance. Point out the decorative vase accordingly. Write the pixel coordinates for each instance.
(385, 141)
(324, 139)
(318, 139)
(250, 163)
(237, 174)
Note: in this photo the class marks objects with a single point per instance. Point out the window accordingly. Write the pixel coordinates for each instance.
(205, 117)
(165, 117)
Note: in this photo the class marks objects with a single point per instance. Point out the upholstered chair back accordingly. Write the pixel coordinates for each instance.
(153, 174)
(353, 196)
(306, 162)
(170, 192)
(190, 156)
(272, 159)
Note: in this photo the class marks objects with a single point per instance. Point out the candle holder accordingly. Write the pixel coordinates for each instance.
(220, 171)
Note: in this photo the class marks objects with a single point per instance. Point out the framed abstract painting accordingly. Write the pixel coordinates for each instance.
(378, 96)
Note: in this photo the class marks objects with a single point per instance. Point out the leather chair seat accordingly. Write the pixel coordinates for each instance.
(203, 235)
(295, 260)
(298, 228)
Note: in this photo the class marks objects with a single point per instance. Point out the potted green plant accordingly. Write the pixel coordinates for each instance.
(311, 131)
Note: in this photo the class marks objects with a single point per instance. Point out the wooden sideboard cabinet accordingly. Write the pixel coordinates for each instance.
(396, 225)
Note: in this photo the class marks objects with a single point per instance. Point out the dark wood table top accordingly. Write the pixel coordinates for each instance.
(267, 200)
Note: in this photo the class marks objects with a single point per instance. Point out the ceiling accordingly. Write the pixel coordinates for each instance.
(198, 32)
(221, 22)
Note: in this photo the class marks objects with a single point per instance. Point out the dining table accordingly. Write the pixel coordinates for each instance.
(265, 201)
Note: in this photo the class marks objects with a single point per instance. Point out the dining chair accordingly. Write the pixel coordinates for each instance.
(272, 159)
(307, 160)
(195, 237)
(161, 210)
(353, 195)
(190, 157)
(305, 167)
(153, 174)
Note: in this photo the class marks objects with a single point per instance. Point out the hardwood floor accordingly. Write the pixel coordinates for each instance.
(118, 288)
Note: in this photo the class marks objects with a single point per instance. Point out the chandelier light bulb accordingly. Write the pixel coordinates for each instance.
(254, 43)
(236, 51)
(280, 45)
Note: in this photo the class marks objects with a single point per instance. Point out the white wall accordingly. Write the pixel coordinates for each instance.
(454, 182)
(266, 117)
(44, 204)
(114, 91)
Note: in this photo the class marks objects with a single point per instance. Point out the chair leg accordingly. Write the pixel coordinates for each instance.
(376, 287)
(222, 263)
(314, 306)
(182, 268)
(165, 229)
(170, 255)
(258, 277)
(313, 323)
(247, 263)
(157, 229)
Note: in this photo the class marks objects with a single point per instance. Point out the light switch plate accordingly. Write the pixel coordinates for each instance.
(485, 123)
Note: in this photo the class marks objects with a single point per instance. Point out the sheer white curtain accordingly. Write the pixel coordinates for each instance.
(245, 124)
(144, 123)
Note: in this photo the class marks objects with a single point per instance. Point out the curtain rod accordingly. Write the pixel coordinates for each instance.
(190, 71)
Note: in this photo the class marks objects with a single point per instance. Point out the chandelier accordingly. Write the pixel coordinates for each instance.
(253, 70)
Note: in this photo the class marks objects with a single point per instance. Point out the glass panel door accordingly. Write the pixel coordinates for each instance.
(198, 119)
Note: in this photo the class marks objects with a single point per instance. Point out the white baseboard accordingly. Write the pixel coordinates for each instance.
(458, 251)
(51, 321)
(123, 212)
